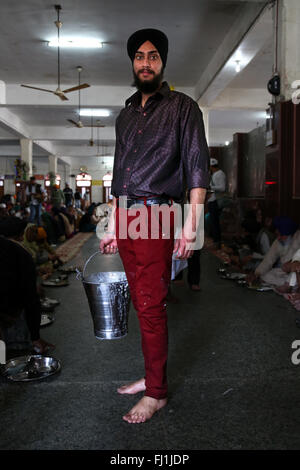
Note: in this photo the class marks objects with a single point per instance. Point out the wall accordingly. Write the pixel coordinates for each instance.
(252, 164)
(96, 169)
(7, 168)
(41, 167)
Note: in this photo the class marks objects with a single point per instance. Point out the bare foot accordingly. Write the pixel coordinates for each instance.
(144, 410)
(134, 387)
(292, 297)
(284, 289)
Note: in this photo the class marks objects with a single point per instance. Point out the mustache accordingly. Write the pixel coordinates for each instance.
(145, 70)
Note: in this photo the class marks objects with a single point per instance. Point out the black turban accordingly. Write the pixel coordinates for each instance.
(12, 226)
(285, 225)
(156, 37)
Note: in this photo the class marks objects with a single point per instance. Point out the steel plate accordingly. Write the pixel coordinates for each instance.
(31, 367)
(260, 288)
(46, 319)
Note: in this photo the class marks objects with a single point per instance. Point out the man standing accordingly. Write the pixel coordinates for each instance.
(57, 196)
(218, 188)
(160, 140)
(68, 195)
(34, 197)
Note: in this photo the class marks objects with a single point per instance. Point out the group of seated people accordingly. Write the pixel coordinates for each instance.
(60, 223)
(20, 289)
(268, 251)
(28, 258)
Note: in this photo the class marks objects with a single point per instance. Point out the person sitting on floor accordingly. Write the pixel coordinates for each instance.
(44, 257)
(56, 213)
(291, 288)
(45, 249)
(294, 269)
(53, 228)
(282, 250)
(89, 220)
(263, 242)
(18, 283)
(68, 222)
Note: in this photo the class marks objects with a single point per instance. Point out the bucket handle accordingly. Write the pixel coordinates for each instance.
(86, 263)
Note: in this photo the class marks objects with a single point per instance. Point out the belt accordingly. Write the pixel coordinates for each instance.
(127, 203)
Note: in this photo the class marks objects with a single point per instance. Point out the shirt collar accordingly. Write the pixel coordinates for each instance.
(135, 99)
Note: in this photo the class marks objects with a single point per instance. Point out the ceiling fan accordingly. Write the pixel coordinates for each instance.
(60, 93)
(91, 143)
(79, 122)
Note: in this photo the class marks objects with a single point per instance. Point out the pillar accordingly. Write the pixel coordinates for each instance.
(52, 164)
(67, 174)
(2, 92)
(26, 153)
(205, 112)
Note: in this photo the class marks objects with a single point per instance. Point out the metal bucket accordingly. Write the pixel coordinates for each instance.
(109, 301)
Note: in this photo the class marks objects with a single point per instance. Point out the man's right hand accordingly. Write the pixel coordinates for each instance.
(108, 245)
(286, 267)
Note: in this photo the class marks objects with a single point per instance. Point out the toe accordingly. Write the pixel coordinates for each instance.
(139, 418)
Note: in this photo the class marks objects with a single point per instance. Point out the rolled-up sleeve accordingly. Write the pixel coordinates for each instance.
(193, 146)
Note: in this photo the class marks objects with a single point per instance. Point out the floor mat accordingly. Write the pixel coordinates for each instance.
(209, 246)
(71, 247)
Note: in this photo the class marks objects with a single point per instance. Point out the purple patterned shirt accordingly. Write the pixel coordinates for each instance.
(160, 149)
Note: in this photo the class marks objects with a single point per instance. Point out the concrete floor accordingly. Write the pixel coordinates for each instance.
(231, 379)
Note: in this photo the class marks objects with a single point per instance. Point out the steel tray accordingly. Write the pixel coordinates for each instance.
(31, 367)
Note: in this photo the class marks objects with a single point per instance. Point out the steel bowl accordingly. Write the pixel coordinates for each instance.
(46, 319)
(236, 276)
(31, 367)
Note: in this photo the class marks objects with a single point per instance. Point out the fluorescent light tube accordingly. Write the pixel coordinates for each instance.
(76, 42)
(94, 112)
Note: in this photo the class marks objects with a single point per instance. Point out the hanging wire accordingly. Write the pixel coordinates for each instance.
(58, 24)
(98, 141)
(92, 135)
(79, 89)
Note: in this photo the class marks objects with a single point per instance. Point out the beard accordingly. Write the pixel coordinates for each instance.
(148, 86)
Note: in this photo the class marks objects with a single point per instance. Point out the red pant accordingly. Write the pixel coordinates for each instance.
(147, 263)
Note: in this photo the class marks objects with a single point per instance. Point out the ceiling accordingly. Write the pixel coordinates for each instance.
(57, 115)
(26, 26)
(196, 29)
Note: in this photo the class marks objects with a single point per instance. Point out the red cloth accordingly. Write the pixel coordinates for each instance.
(148, 263)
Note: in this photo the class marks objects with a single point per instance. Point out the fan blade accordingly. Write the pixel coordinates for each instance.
(35, 88)
(74, 122)
(75, 88)
(62, 97)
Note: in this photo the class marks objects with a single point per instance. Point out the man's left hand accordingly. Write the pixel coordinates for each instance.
(184, 245)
